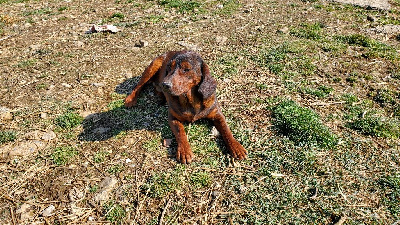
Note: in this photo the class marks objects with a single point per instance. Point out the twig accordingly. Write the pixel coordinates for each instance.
(5, 38)
(12, 216)
(325, 104)
(163, 212)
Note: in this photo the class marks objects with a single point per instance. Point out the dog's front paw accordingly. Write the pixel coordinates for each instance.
(130, 101)
(237, 151)
(184, 155)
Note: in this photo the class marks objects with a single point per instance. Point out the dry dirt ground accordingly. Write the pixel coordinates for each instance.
(72, 154)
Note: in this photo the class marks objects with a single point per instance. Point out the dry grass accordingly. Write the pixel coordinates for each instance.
(323, 56)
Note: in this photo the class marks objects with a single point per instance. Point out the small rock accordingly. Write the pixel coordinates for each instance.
(66, 85)
(106, 185)
(43, 115)
(167, 142)
(129, 141)
(49, 135)
(283, 30)
(23, 149)
(26, 212)
(98, 84)
(33, 135)
(128, 160)
(220, 6)
(221, 39)
(48, 211)
(79, 44)
(5, 114)
(189, 46)
(214, 132)
(369, 4)
(143, 43)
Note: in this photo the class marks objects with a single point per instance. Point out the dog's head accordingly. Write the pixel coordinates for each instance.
(186, 71)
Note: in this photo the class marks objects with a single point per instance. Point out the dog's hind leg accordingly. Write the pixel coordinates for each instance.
(148, 73)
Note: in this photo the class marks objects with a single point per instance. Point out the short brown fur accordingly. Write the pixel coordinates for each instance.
(184, 79)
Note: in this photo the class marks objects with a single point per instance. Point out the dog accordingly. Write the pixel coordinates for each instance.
(183, 79)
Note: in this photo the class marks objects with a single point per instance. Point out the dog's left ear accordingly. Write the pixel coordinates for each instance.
(208, 85)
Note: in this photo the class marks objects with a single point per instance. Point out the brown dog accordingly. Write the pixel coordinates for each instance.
(185, 81)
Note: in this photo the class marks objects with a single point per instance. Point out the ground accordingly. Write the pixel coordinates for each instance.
(310, 88)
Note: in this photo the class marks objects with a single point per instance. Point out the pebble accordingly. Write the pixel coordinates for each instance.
(23, 149)
(48, 211)
(66, 85)
(5, 114)
(214, 132)
(106, 185)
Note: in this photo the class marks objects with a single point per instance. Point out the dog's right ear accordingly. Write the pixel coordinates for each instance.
(208, 85)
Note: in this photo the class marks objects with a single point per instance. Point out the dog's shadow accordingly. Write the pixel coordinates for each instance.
(147, 114)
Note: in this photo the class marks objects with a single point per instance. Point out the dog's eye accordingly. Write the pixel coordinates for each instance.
(186, 70)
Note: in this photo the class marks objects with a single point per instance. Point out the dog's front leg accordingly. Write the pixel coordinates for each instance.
(233, 146)
(183, 154)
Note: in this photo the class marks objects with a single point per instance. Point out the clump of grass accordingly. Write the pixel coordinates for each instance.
(200, 179)
(369, 123)
(374, 48)
(7, 136)
(320, 92)
(349, 98)
(68, 120)
(302, 125)
(384, 97)
(391, 187)
(100, 156)
(228, 7)
(117, 15)
(160, 184)
(114, 212)
(308, 31)
(62, 155)
(181, 5)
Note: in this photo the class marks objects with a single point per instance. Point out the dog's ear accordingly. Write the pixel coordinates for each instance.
(208, 85)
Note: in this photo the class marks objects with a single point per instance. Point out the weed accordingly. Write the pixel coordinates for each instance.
(308, 31)
(391, 188)
(7, 136)
(93, 189)
(181, 5)
(100, 156)
(69, 120)
(41, 86)
(62, 155)
(62, 8)
(115, 104)
(200, 180)
(27, 63)
(369, 123)
(114, 212)
(302, 125)
(152, 145)
(384, 97)
(228, 7)
(116, 169)
(349, 98)
(118, 16)
(160, 184)
(320, 92)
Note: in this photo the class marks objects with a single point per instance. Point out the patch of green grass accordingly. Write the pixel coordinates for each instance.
(302, 125)
(182, 6)
(308, 31)
(368, 122)
(69, 120)
(62, 155)
(116, 169)
(41, 86)
(153, 145)
(320, 92)
(43, 11)
(27, 63)
(62, 8)
(350, 99)
(199, 137)
(385, 97)
(200, 180)
(162, 183)
(117, 15)
(373, 47)
(7, 136)
(114, 212)
(228, 65)
(100, 156)
(228, 7)
(391, 187)
(93, 189)
(115, 104)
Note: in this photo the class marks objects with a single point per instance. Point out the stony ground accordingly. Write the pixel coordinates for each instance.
(71, 153)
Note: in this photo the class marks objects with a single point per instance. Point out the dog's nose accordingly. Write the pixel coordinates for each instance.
(167, 85)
